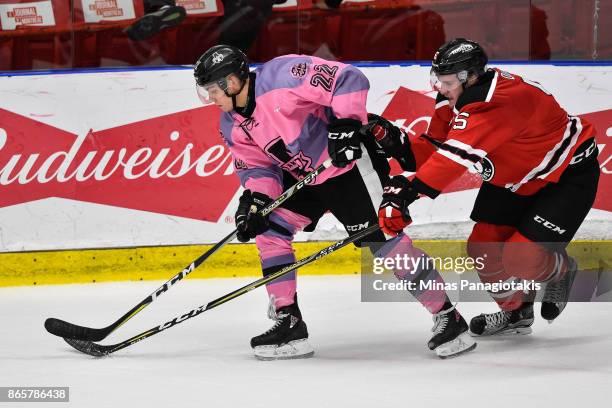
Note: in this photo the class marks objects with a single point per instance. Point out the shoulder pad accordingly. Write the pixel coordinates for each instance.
(287, 71)
(477, 92)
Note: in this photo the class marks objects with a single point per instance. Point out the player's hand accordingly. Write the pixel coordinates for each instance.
(392, 140)
(393, 214)
(343, 142)
(249, 221)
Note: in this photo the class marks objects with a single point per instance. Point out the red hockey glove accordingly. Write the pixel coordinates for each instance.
(393, 214)
(392, 140)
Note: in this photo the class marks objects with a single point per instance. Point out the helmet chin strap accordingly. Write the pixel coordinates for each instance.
(478, 75)
(233, 96)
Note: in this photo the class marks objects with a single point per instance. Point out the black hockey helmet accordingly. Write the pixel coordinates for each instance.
(457, 56)
(219, 62)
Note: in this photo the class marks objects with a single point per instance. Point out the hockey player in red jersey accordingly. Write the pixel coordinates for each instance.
(539, 168)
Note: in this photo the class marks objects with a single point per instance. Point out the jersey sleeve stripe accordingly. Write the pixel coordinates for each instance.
(460, 152)
(466, 147)
(492, 87)
(554, 157)
(456, 158)
(570, 137)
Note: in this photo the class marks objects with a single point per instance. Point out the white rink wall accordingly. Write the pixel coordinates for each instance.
(168, 179)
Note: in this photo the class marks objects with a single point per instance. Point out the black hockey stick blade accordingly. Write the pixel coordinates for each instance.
(88, 347)
(68, 330)
(99, 350)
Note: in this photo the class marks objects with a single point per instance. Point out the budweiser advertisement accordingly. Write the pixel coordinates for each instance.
(133, 158)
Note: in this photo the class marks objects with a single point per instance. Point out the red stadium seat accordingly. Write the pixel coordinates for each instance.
(48, 34)
(198, 32)
(306, 32)
(568, 27)
(99, 39)
(35, 34)
(389, 34)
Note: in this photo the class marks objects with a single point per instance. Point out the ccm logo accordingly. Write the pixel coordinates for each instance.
(340, 135)
(548, 224)
(175, 279)
(358, 227)
(587, 153)
(392, 190)
(186, 316)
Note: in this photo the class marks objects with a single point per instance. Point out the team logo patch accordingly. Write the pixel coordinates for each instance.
(239, 164)
(485, 168)
(248, 125)
(217, 58)
(299, 70)
(300, 164)
(462, 48)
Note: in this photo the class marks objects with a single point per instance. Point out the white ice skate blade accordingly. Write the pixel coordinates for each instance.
(291, 350)
(516, 331)
(462, 344)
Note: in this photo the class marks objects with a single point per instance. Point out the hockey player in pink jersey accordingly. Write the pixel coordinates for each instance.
(280, 122)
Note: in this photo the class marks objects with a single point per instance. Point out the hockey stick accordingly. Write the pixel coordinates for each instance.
(65, 329)
(98, 350)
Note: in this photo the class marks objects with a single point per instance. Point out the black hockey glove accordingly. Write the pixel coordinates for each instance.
(393, 214)
(343, 141)
(249, 221)
(392, 140)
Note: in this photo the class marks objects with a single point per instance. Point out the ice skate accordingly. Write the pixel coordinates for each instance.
(501, 323)
(287, 339)
(557, 293)
(450, 336)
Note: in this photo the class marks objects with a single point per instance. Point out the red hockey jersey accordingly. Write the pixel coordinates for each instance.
(509, 129)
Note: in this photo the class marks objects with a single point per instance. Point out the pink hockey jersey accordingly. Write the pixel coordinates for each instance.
(295, 97)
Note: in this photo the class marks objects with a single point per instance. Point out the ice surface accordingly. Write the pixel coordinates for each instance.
(367, 354)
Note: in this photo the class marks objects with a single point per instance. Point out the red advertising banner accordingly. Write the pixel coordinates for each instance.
(174, 164)
(133, 159)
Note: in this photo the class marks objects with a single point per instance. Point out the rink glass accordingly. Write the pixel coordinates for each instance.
(383, 30)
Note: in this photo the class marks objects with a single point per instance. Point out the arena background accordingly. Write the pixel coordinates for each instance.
(77, 88)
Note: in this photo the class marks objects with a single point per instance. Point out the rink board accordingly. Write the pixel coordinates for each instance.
(137, 220)
(142, 121)
(235, 260)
